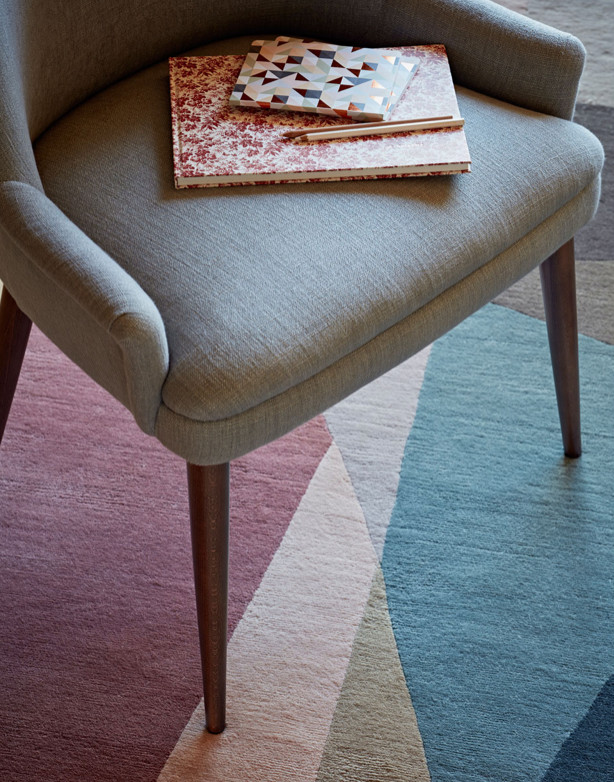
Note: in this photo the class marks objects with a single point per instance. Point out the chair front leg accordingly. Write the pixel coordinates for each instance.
(14, 332)
(209, 515)
(558, 280)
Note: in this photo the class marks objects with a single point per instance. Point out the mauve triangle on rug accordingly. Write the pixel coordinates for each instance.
(421, 584)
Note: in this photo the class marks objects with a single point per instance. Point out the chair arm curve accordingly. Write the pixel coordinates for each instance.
(83, 300)
(494, 50)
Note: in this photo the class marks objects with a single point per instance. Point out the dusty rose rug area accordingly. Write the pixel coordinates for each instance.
(99, 658)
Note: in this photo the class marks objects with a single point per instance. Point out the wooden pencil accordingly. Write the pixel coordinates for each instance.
(384, 123)
(380, 130)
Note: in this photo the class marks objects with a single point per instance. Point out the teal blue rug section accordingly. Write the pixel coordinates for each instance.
(499, 560)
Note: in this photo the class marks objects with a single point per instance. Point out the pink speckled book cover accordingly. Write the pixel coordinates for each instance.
(216, 144)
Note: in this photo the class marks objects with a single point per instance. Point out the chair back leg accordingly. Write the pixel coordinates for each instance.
(209, 514)
(14, 332)
(558, 280)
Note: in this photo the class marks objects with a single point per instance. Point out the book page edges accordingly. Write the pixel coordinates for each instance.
(332, 176)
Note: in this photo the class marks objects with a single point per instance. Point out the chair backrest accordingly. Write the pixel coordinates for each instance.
(66, 50)
(56, 53)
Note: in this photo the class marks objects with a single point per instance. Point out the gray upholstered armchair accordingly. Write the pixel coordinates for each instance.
(223, 318)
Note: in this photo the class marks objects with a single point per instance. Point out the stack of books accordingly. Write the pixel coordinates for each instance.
(224, 132)
(305, 75)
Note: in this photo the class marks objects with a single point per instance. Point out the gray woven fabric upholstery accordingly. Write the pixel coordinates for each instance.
(70, 282)
(262, 288)
(73, 48)
(222, 318)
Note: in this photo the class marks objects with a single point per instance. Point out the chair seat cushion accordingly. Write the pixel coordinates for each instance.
(262, 287)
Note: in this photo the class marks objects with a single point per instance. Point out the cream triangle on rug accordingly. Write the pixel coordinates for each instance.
(371, 428)
(289, 654)
(374, 733)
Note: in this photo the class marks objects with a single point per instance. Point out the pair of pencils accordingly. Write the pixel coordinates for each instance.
(374, 128)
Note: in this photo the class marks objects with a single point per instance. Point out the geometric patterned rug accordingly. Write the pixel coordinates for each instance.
(421, 584)
(482, 645)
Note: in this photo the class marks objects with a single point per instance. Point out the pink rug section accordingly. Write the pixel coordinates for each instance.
(99, 664)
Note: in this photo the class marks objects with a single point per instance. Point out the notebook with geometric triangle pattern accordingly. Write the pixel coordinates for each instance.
(304, 75)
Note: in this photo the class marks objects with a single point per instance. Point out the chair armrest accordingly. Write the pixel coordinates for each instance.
(83, 300)
(494, 50)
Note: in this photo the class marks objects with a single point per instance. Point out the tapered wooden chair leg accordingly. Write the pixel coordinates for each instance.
(558, 280)
(209, 506)
(14, 332)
